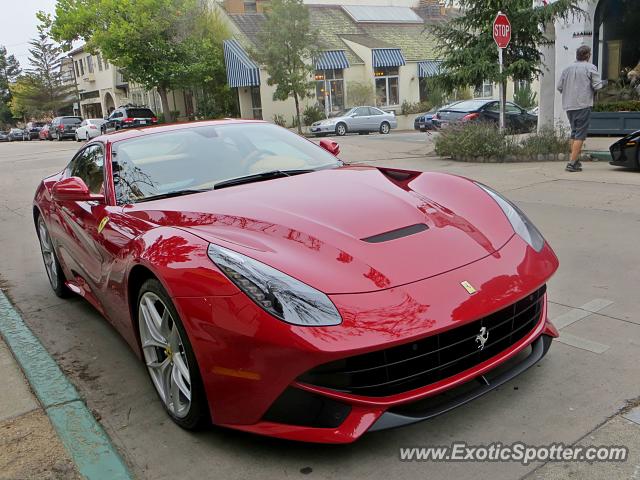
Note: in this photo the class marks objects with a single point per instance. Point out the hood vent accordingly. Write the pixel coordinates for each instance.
(398, 233)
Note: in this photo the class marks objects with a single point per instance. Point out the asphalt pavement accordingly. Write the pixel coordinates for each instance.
(584, 391)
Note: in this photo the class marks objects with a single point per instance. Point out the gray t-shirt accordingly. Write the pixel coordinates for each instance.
(578, 84)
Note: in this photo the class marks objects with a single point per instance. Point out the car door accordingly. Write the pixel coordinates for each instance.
(81, 221)
(513, 117)
(359, 119)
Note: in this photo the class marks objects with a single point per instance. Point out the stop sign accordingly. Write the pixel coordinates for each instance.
(502, 30)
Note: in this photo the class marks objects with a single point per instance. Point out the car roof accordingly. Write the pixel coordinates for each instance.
(125, 134)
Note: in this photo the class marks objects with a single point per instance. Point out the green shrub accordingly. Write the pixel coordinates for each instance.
(408, 108)
(620, 106)
(279, 120)
(311, 114)
(547, 140)
(525, 97)
(471, 139)
(359, 93)
(485, 140)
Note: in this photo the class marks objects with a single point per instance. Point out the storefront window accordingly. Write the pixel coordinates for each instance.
(256, 103)
(484, 91)
(330, 90)
(387, 87)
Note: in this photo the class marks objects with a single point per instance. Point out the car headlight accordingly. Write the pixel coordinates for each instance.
(519, 221)
(279, 294)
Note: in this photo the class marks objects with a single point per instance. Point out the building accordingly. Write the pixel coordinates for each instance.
(101, 88)
(385, 48)
(610, 28)
(384, 45)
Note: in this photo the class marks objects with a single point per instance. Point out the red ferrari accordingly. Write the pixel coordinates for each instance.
(271, 288)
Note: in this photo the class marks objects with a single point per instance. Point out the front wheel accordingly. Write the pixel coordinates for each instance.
(385, 128)
(169, 357)
(341, 129)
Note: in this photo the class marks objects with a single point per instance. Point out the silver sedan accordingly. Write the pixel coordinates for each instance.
(357, 119)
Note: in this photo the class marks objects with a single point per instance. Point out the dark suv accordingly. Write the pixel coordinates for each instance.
(64, 127)
(130, 117)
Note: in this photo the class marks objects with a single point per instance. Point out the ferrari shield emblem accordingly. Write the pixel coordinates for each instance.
(102, 224)
(468, 287)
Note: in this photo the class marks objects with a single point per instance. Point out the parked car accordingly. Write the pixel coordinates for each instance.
(17, 134)
(517, 119)
(45, 132)
(33, 130)
(626, 151)
(130, 117)
(235, 259)
(64, 127)
(89, 128)
(4, 136)
(424, 121)
(357, 119)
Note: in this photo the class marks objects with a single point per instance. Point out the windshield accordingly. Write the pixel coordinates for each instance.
(199, 157)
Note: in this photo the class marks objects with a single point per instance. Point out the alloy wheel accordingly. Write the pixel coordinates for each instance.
(341, 129)
(164, 354)
(48, 254)
(384, 128)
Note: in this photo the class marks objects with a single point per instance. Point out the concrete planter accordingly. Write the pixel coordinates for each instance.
(614, 123)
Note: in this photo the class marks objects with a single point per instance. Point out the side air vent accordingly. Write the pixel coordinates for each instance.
(395, 234)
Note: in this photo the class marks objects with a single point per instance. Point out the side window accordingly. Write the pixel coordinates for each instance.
(511, 108)
(84, 122)
(362, 112)
(493, 107)
(375, 111)
(89, 166)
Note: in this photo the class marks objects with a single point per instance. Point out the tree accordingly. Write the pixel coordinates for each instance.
(162, 44)
(359, 93)
(9, 72)
(41, 90)
(469, 53)
(287, 51)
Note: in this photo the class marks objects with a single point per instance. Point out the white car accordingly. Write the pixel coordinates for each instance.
(89, 128)
(357, 119)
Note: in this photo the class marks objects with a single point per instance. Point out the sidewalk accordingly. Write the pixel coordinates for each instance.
(46, 429)
(29, 447)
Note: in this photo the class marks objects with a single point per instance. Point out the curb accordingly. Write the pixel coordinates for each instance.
(89, 445)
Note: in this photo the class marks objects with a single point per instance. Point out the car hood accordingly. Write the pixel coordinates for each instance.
(346, 230)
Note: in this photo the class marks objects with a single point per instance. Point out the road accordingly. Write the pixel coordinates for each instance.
(592, 219)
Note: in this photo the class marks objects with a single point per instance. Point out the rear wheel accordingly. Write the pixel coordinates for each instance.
(385, 128)
(51, 264)
(169, 357)
(341, 129)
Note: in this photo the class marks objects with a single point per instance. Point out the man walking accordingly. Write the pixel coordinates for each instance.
(578, 84)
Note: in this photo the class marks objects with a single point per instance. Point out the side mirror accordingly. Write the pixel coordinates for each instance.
(330, 146)
(73, 189)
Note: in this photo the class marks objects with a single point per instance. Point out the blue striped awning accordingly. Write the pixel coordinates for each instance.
(332, 59)
(429, 68)
(388, 57)
(241, 70)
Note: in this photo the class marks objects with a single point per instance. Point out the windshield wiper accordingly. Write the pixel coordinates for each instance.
(176, 193)
(259, 177)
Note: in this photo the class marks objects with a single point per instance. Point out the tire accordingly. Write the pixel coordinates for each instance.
(341, 129)
(385, 128)
(77, 137)
(55, 274)
(176, 356)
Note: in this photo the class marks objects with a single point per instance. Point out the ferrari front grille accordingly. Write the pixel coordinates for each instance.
(431, 359)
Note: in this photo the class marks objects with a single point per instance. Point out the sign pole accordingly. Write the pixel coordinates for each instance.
(502, 99)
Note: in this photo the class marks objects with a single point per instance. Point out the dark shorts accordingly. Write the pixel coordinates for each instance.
(579, 120)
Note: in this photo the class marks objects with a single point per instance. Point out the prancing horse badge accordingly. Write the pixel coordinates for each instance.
(468, 287)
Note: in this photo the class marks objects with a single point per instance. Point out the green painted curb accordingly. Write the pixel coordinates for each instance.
(83, 437)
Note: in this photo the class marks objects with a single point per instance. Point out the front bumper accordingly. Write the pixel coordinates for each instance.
(625, 153)
(250, 361)
(322, 129)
